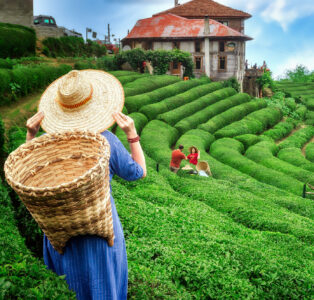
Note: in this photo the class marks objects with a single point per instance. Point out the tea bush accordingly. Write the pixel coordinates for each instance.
(298, 138)
(231, 115)
(210, 111)
(134, 103)
(171, 103)
(174, 116)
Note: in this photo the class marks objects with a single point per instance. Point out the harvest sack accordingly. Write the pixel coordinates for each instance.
(63, 180)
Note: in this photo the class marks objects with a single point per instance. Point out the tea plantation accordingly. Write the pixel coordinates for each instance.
(244, 233)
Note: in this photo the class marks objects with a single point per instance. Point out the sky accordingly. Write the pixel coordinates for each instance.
(282, 30)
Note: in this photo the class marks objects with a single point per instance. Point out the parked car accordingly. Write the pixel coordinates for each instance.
(45, 20)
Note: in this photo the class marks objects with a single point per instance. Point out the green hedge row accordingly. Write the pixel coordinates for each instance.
(295, 157)
(208, 254)
(172, 117)
(264, 153)
(249, 140)
(16, 41)
(310, 103)
(255, 122)
(172, 103)
(147, 84)
(134, 103)
(22, 275)
(157, 138)
(72, 46)
(301, 112)
(126, 79)
(309, 152)
(140, 121)
(281, 130)
(298, 138)
(210, 111)
(231, 115)
(26, 79)
(229, 151)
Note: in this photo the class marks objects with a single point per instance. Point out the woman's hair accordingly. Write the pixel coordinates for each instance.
(181, 147)
(195, 149)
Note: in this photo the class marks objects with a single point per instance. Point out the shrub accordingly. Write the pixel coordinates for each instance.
(6, 63)
(264, 154)
(146, 84)
(134, 103)
(171, 103)
(71, 46)
(298, 138)
(255, 123)
(26, 79)
(210, 111)
(126, 79)
(123, 73)
(229, 151)
(196, 137)
(309, 152)
(157, 138)
(16, 41)
(301, 112)
(23, 276)
(232, 114)
(106, 63)
(295, 157)
(175, 115)
(248, 140)
(232, 82)
(281, 130)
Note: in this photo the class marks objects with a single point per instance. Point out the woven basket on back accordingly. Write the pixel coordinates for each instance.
(63, 180)
(203, 166)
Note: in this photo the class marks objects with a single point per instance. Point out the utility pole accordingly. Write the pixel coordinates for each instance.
(108, 33)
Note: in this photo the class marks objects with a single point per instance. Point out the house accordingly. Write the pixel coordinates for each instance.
(211, 32)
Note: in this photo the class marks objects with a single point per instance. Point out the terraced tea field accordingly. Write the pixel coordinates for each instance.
(246, 232)
(302, 91)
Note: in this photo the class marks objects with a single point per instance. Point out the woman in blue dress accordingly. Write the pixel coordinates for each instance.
(93, 269)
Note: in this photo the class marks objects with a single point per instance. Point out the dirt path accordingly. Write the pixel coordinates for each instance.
(304, 147)
(291, 133)
(18, 112)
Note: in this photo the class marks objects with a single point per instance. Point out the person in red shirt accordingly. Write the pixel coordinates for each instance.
(194, 155)
(176, 158)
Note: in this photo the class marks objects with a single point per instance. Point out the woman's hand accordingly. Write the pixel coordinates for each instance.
(33, 125)
(126, 124)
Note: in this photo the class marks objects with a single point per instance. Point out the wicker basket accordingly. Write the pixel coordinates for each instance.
(63, 180)
(203, 166)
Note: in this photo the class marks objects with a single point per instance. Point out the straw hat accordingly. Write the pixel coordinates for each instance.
(82, 100)
(63, 180)
(203, 166)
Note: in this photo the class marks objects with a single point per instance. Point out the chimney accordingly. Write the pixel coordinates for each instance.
(206, 26)
(176, 3)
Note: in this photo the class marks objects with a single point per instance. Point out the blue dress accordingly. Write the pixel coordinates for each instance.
(92, 268)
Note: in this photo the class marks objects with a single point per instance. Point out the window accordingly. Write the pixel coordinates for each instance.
(224, 23)
(222, 63)
(46, 21)
(175, 65)
(176, 45)
(198, 63)
(197, 46)
(36, 21)
(52, 21)
(221, 46)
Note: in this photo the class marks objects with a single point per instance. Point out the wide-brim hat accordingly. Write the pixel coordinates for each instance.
(83, 100)
(203, 166)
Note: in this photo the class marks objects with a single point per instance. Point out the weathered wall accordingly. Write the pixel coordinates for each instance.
(46, 31)
(16, 12)
(162, 45)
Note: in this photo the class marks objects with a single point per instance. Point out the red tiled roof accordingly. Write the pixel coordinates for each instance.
(202, 8)
(172, 26)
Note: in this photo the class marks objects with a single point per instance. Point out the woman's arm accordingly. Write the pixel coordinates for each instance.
(127, 125)
(199, 154)
(33, 125)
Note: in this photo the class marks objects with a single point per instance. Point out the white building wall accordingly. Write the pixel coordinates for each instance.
(188, 46)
